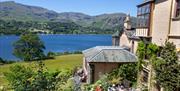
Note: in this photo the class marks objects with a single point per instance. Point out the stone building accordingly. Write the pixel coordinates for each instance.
(103, 59)
(126, 37)
(100, 60)
(158, 21)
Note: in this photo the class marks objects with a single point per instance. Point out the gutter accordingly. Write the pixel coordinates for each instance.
(170, 19)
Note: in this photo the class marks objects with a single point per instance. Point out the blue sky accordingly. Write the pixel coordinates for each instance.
(90, 7)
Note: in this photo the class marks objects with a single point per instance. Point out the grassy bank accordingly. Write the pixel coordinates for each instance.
(59, 63)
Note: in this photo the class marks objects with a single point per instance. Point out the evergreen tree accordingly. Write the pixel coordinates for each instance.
(167, 68)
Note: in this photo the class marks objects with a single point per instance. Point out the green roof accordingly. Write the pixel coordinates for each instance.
(113, 54)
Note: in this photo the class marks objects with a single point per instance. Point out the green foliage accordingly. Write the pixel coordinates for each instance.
(125, 72)
(141, 52)
(12, 27)
(145, 52)
(149, 51)
(70, 85)
(23, 78)
(64, 76)
(152, 50)
(71, 22)
(42, 79)
(103, 81)
(66, 81)
(29, 47)
(169, 54)
(51, 54)
(18, 77)
(21, 27)
(167, 68)
(64, 64)
(2, 61)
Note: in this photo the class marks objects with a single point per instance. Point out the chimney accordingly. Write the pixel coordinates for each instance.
(127, 22)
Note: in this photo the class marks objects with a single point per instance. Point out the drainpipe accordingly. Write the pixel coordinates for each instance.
(170, 17)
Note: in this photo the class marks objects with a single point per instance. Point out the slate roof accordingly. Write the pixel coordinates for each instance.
(131, 34)
(116, 34)
(108, 54)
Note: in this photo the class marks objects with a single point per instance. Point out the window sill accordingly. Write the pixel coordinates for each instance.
(176, 19)
(173, 36)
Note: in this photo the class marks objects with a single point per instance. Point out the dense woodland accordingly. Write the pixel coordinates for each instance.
(19, 27)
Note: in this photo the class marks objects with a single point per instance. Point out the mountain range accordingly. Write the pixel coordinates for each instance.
(10, 10)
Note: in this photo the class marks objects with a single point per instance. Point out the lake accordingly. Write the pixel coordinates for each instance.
(56, 43)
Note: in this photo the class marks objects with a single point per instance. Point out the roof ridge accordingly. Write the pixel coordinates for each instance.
(131, 53)
(95, 55)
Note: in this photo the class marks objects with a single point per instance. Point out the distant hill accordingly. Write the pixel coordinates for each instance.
(11, 10)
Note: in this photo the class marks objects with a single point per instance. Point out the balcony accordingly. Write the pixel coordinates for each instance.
(142, 32)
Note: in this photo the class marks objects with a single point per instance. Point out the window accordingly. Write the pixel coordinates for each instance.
(178, 9)
(143, 16)
(92, 73)
(145, 76)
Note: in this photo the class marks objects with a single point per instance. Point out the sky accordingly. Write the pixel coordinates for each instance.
(90, 7)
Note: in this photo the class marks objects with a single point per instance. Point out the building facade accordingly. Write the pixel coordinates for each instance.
(126, 38)
(158, 21)
(100, 60)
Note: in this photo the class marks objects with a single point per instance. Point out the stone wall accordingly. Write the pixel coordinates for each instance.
(160, 21)
(102, 68)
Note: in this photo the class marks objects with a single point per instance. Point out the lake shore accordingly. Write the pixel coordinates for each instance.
(57, 43)
(52, 34)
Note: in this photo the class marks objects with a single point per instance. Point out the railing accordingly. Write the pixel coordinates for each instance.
(142, 32)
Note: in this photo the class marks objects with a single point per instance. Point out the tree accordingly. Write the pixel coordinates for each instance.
(145, 51)
(167, 68)
(19, 77)
(124, 72)
(141, 52)
(23, 78)
(51, 54)
(44, 80)
(1, 60)
(29, 47)
(152, 50)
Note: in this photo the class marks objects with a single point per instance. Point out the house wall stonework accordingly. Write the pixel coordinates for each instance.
(175, 28)
(115, 41)
(174, 35)
(135, 46)
(176, 41)
(164, 26)
(124, 41)
(103, 68)
(161, 20)
(175, 24)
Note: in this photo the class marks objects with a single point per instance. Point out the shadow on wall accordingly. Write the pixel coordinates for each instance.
(160, 1)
